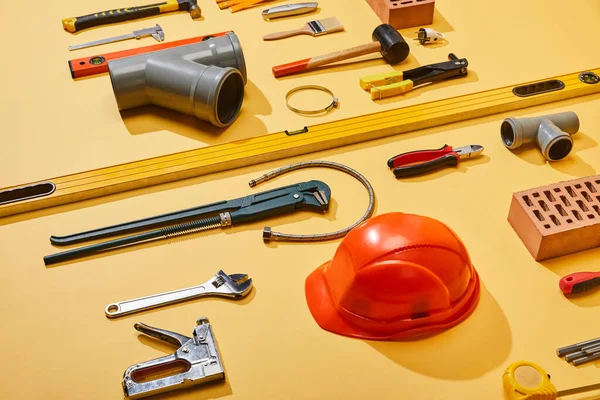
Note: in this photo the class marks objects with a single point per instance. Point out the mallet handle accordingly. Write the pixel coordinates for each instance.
(312, 63)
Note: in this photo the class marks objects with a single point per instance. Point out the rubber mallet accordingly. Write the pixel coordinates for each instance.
(387, 41)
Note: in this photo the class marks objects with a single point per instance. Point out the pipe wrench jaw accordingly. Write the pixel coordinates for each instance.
(195, 362)
(316, 196)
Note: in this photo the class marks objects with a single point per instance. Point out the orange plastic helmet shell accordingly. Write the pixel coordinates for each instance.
(395, 276)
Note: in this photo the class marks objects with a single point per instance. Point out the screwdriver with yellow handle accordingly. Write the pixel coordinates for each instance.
(524, 380)
(77, 24)
(394, 83)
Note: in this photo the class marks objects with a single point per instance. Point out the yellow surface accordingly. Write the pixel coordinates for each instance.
(56, 341)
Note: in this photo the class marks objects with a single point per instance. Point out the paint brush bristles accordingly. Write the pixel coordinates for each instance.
(313, 28)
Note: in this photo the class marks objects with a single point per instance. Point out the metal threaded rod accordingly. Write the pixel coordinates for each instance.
(191, 227)
(177, 230)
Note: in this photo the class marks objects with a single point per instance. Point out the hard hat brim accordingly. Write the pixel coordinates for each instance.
(322, 307)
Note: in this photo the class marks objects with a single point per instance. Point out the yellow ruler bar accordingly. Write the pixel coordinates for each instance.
(207, 160)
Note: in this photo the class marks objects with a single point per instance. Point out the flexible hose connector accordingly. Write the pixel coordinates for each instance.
(286, 237)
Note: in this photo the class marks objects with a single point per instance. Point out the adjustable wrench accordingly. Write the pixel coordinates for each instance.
(233, 286)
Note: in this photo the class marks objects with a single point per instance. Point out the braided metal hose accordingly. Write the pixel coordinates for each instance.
(286, 237)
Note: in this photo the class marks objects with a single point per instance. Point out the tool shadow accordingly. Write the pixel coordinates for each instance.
(151, 118)
(210, 390)
(486, 331)
(572, 165)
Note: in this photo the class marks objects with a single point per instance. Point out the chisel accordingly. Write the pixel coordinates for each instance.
(156, 32)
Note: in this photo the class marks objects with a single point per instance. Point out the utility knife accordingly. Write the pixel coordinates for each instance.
(289, 10)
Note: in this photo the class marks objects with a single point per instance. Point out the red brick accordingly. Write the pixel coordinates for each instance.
(558, 219)
(404, 13)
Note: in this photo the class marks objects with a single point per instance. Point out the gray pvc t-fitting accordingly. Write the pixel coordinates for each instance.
(204, 79)
(551, 133)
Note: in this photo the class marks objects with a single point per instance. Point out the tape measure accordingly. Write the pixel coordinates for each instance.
(524, 380)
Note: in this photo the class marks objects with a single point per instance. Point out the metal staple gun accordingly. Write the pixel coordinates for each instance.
(195, 362)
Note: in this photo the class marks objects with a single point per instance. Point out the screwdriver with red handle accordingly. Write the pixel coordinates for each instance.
(579, 282)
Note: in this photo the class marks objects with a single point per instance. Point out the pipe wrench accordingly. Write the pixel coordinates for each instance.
(195, 362)
(307, 196)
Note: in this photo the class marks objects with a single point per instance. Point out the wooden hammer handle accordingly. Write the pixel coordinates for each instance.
(312, 63)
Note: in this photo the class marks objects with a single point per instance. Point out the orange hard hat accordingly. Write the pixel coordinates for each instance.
(395, 276)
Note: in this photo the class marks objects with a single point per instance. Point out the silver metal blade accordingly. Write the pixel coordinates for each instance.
(156, 32)
(102, 41)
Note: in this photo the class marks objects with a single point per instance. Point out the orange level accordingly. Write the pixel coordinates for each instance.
(98, 64)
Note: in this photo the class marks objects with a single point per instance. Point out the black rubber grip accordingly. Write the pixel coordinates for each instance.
(429, 166)
(118, 15)
(585, 286)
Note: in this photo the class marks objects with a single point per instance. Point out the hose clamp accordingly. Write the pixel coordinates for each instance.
(334, 100)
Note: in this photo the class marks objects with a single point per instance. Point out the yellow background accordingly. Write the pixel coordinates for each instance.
(56, 342)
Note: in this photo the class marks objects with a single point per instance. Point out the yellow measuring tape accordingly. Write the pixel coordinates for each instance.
(524, 380)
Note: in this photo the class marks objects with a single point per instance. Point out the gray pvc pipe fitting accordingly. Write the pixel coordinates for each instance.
(204, 79)
(551, 133)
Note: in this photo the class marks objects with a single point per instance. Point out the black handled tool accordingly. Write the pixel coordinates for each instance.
(306, 196)
(127, 14)
(423, 161)
(397, 82)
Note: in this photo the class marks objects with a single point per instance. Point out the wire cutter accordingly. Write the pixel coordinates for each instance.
(423, 161)
(398, 82)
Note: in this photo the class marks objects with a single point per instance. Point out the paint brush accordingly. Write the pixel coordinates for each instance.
(313, 28)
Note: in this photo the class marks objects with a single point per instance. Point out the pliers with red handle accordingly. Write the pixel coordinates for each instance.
(423, 161)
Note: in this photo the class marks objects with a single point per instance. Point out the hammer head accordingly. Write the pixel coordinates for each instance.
(393, 46)
(191, 6)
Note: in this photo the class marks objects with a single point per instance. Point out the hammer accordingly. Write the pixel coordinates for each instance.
(127, 14)
(387, 41)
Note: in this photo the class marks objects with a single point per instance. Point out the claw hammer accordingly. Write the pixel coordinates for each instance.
(127, 14)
